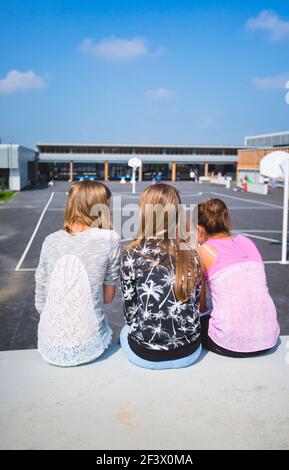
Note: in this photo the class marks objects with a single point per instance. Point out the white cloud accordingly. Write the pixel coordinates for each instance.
(159, 94)
(277, 82)
(115, 48)
(21, 81)
(271, 22)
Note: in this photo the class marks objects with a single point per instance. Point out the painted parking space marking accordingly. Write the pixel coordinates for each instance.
(258, 237)
(33, 234)
(265, 235)
(250, 201)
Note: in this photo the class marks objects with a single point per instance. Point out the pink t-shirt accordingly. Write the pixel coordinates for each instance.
(244, 316)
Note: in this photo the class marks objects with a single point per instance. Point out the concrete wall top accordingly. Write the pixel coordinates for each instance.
(217, 403)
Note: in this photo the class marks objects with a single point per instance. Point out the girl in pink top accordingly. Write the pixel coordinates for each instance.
(243, 320)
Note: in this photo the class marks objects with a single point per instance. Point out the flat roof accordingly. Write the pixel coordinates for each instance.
(89, 144)
(263, 147)
(17, 146)
(270, 134)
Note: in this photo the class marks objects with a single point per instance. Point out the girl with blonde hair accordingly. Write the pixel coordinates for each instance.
(77, 273)
(161, 281)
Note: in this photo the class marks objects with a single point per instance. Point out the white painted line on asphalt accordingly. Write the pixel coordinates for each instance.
(247, 208)
(251, 201)
(274, 262)
(198, 193)
(257, 231)
(250, 235)
(33, 234)
(127, 194)
(255, 208)
(25, 269)
(56, 209)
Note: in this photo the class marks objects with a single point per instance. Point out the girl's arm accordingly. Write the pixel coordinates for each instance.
(207, 257)
(207, 260)
(41, 280)
(112, 274)
(203, 300)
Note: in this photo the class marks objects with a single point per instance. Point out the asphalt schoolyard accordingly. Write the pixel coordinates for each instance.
(33, 214)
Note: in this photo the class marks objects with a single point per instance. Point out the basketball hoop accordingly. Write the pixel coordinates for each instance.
(276, 165)
(134, 163)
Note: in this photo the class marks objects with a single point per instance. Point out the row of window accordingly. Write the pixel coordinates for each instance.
(140, 150)
(269, 141)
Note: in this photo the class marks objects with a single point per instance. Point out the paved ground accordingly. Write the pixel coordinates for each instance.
(258, 216)
(218, 403)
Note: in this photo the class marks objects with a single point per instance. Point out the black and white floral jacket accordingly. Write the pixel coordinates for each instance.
(160, 326)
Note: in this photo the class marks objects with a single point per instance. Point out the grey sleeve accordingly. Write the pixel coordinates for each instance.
(41, 280)
(112, 270)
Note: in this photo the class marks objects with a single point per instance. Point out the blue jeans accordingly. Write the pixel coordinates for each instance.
(157, 365)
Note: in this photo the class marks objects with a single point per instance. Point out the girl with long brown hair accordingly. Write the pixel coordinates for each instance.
(161, 281)
(77, 273)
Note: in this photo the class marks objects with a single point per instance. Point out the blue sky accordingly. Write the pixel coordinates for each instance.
(175, 72)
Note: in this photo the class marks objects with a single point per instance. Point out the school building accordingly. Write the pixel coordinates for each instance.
(20, 167)
(110, 162)
(17, 166)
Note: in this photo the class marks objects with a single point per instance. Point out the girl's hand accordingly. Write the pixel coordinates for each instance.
(108, 293)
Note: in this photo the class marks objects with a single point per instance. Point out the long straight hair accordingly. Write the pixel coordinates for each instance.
(187, 269)
(87, 205)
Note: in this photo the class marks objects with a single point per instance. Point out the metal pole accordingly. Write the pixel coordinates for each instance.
(9, 167)
(133, 180)
(285, 213)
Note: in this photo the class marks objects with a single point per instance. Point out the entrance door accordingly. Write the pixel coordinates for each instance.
(156, 171)
(118, 171)
(184, 171)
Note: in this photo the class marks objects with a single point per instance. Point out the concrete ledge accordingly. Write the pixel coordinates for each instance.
(218, 403)
(257, 188)
(204, 179)
(221, 181)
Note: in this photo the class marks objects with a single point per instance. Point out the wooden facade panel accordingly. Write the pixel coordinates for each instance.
(251, 158)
